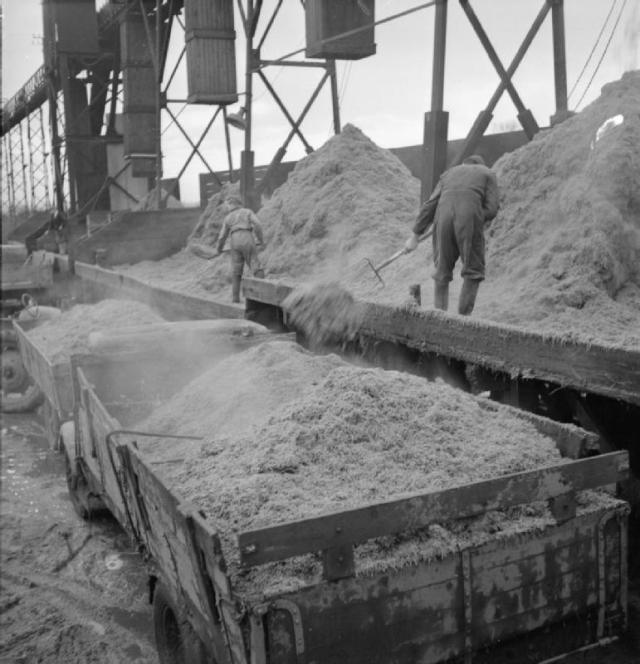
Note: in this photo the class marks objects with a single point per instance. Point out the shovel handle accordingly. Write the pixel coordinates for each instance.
(401, 252)
(391, 259)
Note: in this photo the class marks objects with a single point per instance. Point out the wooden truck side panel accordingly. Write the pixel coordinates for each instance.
(182, 548)
(187, 553)
(173, 305)
(93, 425)
(430, 612)
(53, 379)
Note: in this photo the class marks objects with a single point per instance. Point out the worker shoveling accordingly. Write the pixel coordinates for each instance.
(325, 312)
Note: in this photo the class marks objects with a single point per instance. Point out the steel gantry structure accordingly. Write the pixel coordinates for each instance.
(106, 83)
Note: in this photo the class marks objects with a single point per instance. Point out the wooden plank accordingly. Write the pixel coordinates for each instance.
(561, 559)
(172, 530)
(102, 423)
(172, 305)
(411, 615)
(571, 441)
(267, 292)
(53, 379)
(441, 573)
(419, 510)
(591, 367)
(496, 554)
(523, 623)
(569, 589)
(399, 613)
(206, 553)
(393, 630)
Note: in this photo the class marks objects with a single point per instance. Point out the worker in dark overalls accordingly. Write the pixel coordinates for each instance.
(467, 197)
(243, 228)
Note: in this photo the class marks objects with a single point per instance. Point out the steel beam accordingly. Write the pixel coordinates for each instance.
(58, 177)
(335, 100)
(559, 61)
(525, 116)
(279, 156)
(284, 110)
(193, 152)
(436, 121)
(194, 147)
(484, 117)
(23, 167)
(247, 176)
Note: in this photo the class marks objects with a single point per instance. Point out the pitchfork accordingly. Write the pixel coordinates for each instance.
(391, 259)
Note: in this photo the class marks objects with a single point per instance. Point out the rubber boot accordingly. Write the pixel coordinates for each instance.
(441, 295)
(468, 296)
(235, 287)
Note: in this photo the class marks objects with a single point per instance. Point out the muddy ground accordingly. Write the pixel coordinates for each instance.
(74, 592)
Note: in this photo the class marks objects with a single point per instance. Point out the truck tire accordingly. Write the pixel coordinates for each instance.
(176, 641)
(19, 393)
(85, 504)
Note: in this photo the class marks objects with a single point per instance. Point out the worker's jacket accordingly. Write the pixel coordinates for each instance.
(238, 220)
(475, 182)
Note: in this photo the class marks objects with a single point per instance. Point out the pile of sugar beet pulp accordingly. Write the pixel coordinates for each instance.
(563, 253)
(289, 434)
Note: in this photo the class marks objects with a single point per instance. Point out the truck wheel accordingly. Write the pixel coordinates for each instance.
(19, 393)
(176, 641)
(85, 504)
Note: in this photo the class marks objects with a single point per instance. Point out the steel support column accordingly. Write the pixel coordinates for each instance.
(56, 154)
(335, 100)
(436, 121)
(160, 59)
(8, 175)
(559, 62)
(24, 168)
(247, 170)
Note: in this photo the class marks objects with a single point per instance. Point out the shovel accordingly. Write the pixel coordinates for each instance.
(377, 268)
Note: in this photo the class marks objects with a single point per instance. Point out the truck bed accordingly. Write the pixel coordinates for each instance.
(429, 611)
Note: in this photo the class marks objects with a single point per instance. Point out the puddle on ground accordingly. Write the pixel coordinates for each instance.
(135, 621)
(31, 474)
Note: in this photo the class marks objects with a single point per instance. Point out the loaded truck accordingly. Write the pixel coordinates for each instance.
(564, 586)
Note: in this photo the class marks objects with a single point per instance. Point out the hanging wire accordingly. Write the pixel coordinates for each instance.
(606, 48)
(593, 50)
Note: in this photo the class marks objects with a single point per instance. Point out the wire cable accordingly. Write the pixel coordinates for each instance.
(593, 50)
(606, 48)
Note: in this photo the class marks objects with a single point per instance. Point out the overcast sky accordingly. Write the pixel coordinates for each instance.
(385, 95)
